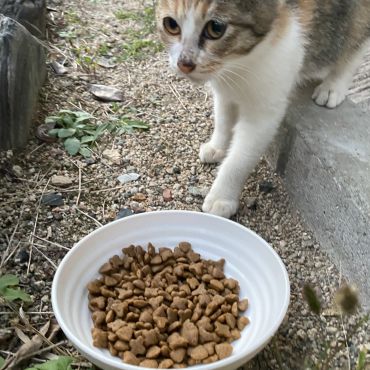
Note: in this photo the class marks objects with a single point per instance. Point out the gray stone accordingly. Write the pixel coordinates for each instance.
(22, 73)
(30, 13)
(324, 158)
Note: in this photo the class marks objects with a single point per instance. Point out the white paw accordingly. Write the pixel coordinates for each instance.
(219, 206)
(329, 94)
(209, 154)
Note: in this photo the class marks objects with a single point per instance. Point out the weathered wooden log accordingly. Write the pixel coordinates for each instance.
(30, 13)
(22, 73)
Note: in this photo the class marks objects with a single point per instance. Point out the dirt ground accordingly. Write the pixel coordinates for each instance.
(114, 44)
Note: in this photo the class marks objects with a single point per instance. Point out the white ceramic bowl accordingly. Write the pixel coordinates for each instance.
(249, 259)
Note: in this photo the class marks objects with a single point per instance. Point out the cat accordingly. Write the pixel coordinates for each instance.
(253, 53)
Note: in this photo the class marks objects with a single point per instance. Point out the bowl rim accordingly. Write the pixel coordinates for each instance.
(81, 346)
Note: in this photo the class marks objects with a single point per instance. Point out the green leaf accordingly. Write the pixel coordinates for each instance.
(66, 132)
(83, 118)
(12, 294)
(61, 363)
(361, 362)
(8, 280)
(68, 112)
(68, 120)
(72, 145)
(2, 362)
(87, 139)
(52, 119)
(54, 132)
(85, 152)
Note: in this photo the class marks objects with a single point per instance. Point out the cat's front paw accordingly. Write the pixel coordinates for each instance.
(329, 94)
(209, 154)
(219, 206)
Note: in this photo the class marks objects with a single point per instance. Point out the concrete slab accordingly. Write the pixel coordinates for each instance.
(324, 158)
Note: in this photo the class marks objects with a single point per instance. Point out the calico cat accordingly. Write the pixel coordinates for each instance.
(253, 53)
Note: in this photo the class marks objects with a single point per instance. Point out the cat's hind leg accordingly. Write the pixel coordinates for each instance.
(333, 90)
(225, 113)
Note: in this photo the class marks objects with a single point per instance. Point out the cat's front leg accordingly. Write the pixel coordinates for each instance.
(225, 117)
(249, 143)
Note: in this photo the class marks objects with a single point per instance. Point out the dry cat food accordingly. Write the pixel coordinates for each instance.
(166, 309)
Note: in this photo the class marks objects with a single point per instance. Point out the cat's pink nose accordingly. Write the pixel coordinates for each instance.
(186, 66)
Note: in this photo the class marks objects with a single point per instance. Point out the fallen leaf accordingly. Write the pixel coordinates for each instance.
(106, 93)
(105, 63)
(128, 177)
(59, 69)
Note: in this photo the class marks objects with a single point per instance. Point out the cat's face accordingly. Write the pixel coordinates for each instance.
(204, 36)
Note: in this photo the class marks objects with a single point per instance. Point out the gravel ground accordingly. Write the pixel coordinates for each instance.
(34, 236)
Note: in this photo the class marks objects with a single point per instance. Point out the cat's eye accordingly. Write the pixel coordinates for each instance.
(214, 30)
(171, 26)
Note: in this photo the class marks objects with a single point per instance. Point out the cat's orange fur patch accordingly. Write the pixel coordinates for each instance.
(281, 23)
(306, 12)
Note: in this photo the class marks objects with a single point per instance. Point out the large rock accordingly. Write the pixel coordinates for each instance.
(22, 73)
(30, 13)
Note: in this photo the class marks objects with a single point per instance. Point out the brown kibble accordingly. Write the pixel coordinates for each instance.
(161, 322)
(110, 281)
(151, 364)
(155, 302)
(137, 346)
(112, 337)
(150, 338)
(223, 350)
(106, 268)
(110, 316)
(234, 309)
(210, 359)
(230, 320)
(216, 285)
(178, 355)
(222, 330)
(231, 284)
(176, 341)
(243, 305)
(231, 298)
(179, 270)
(218, 273)
(179, 303)
(198, 353)
(131, 316)
(165, 364)
(201, 290)
(174, 326)
(98, 317)
(210, 347)
(205, 336)
(185, 314)
(98, 302)
(190, 332)
(140, 303)
(243, 322)
(185, 247)
(172, 315)
(153, 352)
(193, 257)
(235, 334)
(124, 293)
(196, 268)
(165, 351)
(94, 287)
(146, 317)
(193, 283)
(121, 346)
(100, 338)
(112, 350)
(115, 325)
(157, 260)
(130, 358)
(125, 333)
(120, 309)
(216, 302)
(139, 284)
